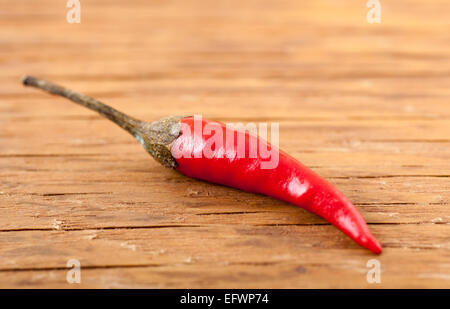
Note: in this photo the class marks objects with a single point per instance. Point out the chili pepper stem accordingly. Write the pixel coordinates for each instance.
(124, 121)
(156, 136)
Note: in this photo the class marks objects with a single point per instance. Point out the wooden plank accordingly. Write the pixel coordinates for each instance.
(290, 255)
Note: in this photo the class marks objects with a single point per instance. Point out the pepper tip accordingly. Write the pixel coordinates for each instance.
(372, 244)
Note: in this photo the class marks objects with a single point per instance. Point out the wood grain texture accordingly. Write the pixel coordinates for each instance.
(365, 106)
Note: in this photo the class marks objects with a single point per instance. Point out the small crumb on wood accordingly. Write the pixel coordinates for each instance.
(57, 224)
(91, 236)
(128, 246)
(301, 270)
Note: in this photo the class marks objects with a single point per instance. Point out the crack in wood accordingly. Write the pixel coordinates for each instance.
(44, 155)
(112, 266)
(267, 263)
(387, 176)
(56, 268)
(231, 213)
(69, 193)
(408, 140)
(102, 228)
(203, 225)
(399, 203)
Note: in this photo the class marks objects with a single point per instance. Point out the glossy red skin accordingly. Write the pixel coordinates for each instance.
(290, 181)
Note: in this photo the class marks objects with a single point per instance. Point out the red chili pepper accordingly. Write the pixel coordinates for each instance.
(177, 142)
(290, 181)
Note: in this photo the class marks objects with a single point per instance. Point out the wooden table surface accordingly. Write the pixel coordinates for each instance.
(367, 106)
